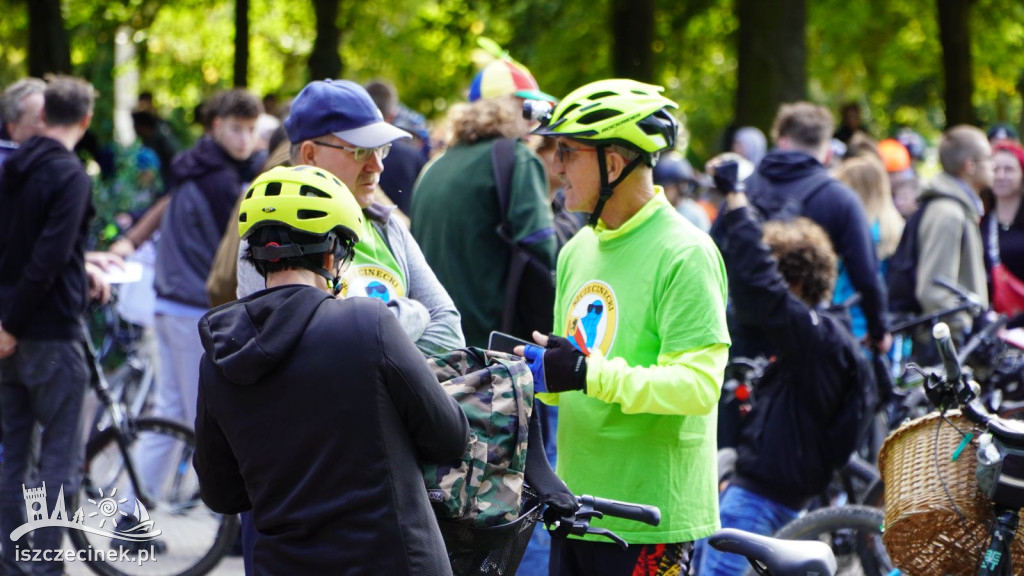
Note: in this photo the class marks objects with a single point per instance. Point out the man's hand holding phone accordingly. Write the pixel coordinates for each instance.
(557, 365)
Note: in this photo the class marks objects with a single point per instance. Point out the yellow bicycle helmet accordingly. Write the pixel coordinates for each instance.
(292, 212)
(618, 111)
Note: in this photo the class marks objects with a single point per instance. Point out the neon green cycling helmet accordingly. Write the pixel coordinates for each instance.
(620, 112)
(292, 212)
(617, 111)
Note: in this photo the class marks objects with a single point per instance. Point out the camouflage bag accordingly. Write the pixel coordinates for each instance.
(495, 390)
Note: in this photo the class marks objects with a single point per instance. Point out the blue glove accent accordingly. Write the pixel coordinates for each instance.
(535, 360)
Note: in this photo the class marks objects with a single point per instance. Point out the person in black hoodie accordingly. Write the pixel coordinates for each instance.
(784, 458)
(207, 180)
(45, 208)
(793, 181)
(314, 412)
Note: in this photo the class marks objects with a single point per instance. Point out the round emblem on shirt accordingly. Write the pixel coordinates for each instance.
(373, 281)
(592, 318)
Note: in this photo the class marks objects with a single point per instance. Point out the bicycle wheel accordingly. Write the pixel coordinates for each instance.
(853, 532)
(195, 537)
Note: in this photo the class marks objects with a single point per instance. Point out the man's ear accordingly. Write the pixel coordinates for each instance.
(969, 168)
(85, 121)
(616, 163)
(307, 153)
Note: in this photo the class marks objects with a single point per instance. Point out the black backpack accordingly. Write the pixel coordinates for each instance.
(901, 277)
(783, 206)
(849, 428)
(530, 283)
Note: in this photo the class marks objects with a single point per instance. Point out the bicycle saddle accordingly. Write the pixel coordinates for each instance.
(781, 557)
(1009, 431)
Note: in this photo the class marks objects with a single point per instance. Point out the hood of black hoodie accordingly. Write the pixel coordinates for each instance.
(23, 161)
(248, 338)
(788, 165)
(205, 157)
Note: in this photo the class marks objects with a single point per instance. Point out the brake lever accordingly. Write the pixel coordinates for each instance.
(609, 535)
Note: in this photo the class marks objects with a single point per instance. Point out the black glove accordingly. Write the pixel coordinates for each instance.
(560, 367)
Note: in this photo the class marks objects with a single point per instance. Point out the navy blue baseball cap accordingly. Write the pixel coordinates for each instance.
(342, 108)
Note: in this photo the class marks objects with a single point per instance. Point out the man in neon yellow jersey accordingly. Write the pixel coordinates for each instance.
(637, 363)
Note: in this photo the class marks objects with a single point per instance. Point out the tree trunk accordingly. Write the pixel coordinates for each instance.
(324, 60)
(955, 36)
(241, 77)
(48, 47)
(1020, 92)
(632, 36)
(772, 59)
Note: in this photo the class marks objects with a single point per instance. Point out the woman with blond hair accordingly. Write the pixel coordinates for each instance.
(866, 175)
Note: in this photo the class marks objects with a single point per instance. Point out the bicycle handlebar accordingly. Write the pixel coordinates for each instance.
(966, 302)
(628, 510)
(578, 523)
(963, 293)
(944, 392)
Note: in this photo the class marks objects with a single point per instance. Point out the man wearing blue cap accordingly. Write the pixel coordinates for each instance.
(335, 125)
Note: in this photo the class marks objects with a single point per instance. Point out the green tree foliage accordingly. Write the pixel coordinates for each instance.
(883, 54)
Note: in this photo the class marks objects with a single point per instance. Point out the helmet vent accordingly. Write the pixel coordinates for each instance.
(569, 109)
(310, 214)
(249, 193)
(273, 189)
(600, 95)
(307, 190)
(598, 116)
(243, 217)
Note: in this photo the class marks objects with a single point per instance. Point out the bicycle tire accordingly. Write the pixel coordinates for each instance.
(196, 538)
(863, 523)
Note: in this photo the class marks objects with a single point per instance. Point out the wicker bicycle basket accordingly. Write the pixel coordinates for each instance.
(936, 520)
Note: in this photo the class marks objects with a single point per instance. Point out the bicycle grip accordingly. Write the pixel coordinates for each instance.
(628, 510)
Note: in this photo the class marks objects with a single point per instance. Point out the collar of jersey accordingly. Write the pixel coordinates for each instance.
(642, 215)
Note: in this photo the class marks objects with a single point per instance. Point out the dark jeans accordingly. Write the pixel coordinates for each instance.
(583, 558)
(44, 382)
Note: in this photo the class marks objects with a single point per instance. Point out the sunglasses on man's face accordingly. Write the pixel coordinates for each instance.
(360, 154)
(561, 151)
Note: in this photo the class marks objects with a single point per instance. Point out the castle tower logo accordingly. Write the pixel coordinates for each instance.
(136, 527)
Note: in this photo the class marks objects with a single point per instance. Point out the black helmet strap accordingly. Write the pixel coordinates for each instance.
(608, 188)
(273, 252)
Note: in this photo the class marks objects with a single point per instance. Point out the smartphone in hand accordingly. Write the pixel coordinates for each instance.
(502, 342)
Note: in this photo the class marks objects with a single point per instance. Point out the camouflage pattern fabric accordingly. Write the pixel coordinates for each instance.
(495, 390)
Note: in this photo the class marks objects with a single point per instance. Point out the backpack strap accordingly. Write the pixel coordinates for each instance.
(503, 162)
(791, 204)
(817, 183)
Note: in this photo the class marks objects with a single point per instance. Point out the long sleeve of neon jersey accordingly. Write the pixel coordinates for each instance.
(682, 384)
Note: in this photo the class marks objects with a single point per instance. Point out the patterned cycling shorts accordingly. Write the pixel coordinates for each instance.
(582, 558)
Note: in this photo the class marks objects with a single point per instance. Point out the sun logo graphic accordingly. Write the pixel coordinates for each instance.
(374, 281)
(137, 528)
(593, 317)
(108, 508)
